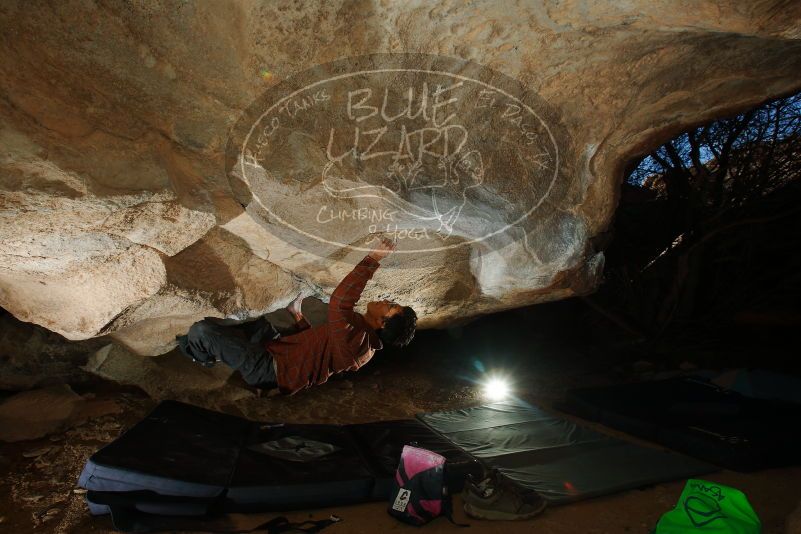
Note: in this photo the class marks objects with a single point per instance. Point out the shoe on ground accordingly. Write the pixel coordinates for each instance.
(497, 498)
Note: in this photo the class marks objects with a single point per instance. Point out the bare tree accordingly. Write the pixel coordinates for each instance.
(708, 194)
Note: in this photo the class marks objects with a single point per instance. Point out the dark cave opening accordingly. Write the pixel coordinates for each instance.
(703, 262)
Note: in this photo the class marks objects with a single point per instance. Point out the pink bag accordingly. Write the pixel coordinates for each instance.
(419, 493)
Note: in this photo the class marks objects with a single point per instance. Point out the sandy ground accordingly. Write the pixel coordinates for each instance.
(39, 492)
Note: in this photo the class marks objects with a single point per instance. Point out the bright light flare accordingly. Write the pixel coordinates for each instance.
(496, 389)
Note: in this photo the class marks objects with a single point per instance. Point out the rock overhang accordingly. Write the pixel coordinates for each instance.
(121, 214)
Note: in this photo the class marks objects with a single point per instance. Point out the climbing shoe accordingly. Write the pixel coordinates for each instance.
(497, 498)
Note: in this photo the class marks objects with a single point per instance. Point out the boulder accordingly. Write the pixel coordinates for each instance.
(33, 357)
(37, 413)
(170, 376)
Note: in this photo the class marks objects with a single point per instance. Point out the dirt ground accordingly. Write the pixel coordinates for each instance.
(39, 492)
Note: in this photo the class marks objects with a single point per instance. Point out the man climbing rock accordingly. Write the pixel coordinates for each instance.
(306, 356)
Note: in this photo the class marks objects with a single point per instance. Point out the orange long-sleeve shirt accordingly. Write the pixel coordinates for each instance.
(344, 343)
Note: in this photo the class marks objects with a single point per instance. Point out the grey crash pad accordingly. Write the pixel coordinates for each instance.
(560, 459)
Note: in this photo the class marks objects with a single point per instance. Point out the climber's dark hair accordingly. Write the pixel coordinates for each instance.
(398, 330)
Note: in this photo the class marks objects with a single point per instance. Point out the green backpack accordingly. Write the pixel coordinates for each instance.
(708, 507)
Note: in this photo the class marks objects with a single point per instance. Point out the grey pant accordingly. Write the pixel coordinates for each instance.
(240, 346)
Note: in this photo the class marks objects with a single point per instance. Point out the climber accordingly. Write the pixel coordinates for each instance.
(306, 355)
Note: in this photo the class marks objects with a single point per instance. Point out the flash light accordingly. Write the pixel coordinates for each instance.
(496, 389)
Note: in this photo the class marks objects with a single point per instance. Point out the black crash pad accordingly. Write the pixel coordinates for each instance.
(698, 417)
(183, 450)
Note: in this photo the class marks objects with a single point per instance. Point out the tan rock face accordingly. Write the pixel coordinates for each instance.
(158, 377)
(36, 413)
(129, 204)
